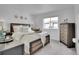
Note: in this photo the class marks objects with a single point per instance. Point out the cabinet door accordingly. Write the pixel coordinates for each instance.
(63, 33)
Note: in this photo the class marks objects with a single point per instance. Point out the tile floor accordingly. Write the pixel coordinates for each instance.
(56, 48)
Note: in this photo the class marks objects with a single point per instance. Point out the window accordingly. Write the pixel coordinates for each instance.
(50, 23)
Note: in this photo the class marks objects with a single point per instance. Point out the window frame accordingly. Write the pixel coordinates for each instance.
(50, 23)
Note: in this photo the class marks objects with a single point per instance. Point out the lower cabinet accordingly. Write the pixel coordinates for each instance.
(18, 50)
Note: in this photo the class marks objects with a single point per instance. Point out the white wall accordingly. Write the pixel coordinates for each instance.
(77, 26)
(62, 14)
(7, 12)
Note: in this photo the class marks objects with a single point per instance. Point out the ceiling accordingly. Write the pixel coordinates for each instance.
(33, 8)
